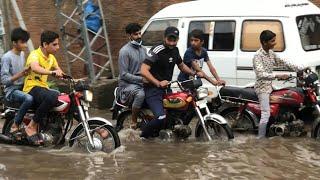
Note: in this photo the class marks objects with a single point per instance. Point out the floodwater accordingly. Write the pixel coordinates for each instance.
(243, 158)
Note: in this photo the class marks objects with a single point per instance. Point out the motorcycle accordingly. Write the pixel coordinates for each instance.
(290, 107)
(91, 133)
(181, 107)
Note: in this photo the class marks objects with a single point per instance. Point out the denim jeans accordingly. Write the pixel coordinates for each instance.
(44, 99)
(26, 101)
(154, 101)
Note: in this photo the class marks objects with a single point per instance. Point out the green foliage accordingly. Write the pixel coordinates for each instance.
(53, 85)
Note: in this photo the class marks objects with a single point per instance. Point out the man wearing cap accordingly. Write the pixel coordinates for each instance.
(158, 68)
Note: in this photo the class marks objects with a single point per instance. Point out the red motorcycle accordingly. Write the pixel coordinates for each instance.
(290, 107)
(181, 107)
(92, 133)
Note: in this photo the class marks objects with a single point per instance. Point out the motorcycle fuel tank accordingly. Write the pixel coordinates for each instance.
(63, 103)
(287, 97)
(178, 100)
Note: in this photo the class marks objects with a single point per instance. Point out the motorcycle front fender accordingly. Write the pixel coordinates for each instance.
(91, 120)
(215, 117)
(211, 117)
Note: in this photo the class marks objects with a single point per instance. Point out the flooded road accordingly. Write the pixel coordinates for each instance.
(243, 158)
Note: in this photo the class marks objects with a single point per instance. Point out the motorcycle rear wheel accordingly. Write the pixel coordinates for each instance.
(243, 124)
(221, 132)
(124, 121)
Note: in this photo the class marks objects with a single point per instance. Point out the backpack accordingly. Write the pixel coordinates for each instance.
(92, 15)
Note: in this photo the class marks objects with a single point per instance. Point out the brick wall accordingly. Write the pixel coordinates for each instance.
(40, 15)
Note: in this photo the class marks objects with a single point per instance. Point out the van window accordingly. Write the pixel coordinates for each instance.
(309, 30)
(153, 35)
(251, 30)
(218, 35)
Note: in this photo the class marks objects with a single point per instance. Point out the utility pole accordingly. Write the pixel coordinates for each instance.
(21, 22)
(5, 9)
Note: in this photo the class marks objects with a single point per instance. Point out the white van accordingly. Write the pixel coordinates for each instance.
(232, 29)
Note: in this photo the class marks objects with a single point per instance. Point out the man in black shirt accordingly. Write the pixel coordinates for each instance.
(158, 70)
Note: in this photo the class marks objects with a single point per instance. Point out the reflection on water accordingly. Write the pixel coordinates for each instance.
(243, 158)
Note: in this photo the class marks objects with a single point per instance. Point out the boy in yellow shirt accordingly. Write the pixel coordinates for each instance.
(42, 61)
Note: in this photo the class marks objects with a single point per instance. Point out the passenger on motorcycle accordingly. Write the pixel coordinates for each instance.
(158, 70)
(131, 57)
(196, 55)
(12, 75)
(263, 63)
(41, 61)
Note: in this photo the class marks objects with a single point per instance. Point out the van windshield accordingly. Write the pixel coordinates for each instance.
(153, 35)
(309, 30)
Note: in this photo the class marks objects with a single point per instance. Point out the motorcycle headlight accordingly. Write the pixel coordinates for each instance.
(202, 93)
(88, 95)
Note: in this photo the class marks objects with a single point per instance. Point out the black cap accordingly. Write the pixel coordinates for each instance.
(171, 32)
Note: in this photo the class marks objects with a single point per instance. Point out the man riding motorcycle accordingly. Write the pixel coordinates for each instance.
(131, 56)
(158, 70)
(263, 63)
(41, 61)
(12, 76)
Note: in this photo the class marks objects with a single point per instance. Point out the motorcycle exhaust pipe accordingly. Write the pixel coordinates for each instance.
(5, 139)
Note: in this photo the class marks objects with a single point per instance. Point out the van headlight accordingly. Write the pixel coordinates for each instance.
(88, 95)
(202, 93)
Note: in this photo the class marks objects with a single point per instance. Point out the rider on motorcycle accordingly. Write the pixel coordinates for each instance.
(158, 70)
(41, 61)
(131, 57)
(196, 55)
(12, 75)
(263, 63)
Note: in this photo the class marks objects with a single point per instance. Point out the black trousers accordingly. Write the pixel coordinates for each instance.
(44, 99)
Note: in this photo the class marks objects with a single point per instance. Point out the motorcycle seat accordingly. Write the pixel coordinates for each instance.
(237, 94)
(15, 105)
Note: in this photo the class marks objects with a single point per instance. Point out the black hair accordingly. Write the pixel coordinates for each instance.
(197, 33)
(19, 34)
(48, 37)
(266, 36)
(132, 28)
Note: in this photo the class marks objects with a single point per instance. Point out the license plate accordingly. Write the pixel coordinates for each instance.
(202, 103)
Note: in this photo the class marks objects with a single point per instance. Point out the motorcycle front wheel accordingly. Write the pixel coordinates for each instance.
(221, 132)
(105, 138)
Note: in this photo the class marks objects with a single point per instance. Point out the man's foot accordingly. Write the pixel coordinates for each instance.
(33, 136)
(103, 133)
(14, 128)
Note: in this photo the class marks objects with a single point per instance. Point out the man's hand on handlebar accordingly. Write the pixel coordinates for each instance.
(163, 84)
(221, 82)
(57, 73)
